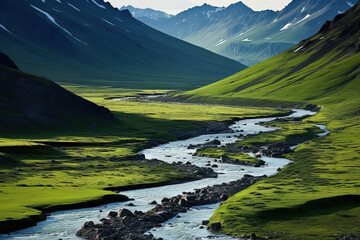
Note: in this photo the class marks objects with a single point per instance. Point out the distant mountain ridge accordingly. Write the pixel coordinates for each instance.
(250, 36)
(139, 13)
(93, 43)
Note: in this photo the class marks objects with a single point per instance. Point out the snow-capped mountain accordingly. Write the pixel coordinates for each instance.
(91, 42)
(250, 36)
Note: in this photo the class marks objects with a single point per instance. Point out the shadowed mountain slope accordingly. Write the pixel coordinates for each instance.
(92, 43)
(28, 101)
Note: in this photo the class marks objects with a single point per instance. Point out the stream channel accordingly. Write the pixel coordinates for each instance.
(64, 224)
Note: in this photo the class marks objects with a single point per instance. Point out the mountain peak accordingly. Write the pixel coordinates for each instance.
(240, 6)
(126, 13)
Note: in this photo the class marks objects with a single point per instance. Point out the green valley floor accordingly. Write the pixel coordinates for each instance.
(41, 170)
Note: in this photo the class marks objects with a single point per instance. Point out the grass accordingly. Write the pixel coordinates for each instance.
(40, 184)
(221, 151)
(290, 133)
(325, 170)
(31, 180)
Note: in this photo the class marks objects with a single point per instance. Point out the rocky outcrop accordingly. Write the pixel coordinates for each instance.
(125, 225)
(229, 160)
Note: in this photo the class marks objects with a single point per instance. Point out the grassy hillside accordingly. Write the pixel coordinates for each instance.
(316, 197)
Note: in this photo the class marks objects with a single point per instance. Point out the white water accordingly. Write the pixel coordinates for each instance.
(64, 224)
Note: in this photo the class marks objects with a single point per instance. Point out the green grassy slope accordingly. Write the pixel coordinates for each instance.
(316, 197)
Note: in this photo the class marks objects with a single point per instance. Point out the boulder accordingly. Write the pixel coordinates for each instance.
(112, 214)
(190, 198)
(215, 226)
(224, 197)
(89, 224)
(184, 203)
(125, 213)
(205, 222)
(216, 142)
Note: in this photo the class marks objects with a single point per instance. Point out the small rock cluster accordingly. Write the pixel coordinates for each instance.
(351, 237)
(125, 225)
(227, 159)
(270, 150)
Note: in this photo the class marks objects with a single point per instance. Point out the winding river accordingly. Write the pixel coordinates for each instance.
(64, 224)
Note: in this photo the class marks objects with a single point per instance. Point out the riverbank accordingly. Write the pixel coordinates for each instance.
(135, 225)
(312, 193)
(119, 225)
(191, 172)
(75, 167)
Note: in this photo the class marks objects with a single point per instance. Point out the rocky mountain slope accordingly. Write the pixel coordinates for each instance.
(147, 13)
(92, 43)
(250, 36)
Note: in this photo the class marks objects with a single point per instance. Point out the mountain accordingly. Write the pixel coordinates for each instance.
(92, 43)
(317, 195)
(321, 66)
(28, 101)
(250, 36)
(149, 13)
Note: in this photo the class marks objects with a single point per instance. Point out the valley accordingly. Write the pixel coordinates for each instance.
(79, 160)
(113, 130)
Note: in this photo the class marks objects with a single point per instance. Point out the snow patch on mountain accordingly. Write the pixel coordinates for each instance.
(247, 40)
(99, 5)
(73, 7)
(215, 11)
(221, 41)
(52, 19)
(350, 4)
(238, 35)
(119, 19)
(286, 26)
(3, 27)
(108, 22)
(306, 17)
(303, 9)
